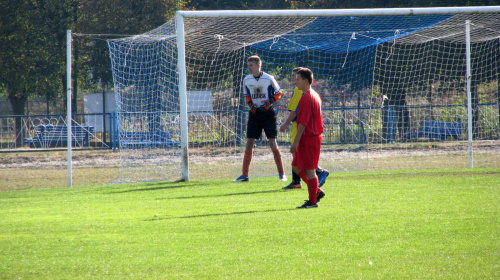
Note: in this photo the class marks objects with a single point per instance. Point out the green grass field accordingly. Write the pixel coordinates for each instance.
(430, 224)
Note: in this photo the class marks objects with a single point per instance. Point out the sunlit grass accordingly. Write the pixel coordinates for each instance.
(423, 224)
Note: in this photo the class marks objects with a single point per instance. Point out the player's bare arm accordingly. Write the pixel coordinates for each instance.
(289, 119)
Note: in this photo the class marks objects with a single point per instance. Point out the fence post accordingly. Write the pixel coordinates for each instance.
(112, 132)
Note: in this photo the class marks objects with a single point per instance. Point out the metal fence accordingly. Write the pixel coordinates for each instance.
(23, 132)
(343, 125)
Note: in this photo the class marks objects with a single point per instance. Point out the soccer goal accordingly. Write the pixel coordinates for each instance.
(401, 88)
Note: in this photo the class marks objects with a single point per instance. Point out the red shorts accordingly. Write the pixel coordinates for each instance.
(307, 155)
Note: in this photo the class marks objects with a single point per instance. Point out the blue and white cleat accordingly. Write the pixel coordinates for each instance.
(283, 178)
(322, 177)
(241, 179)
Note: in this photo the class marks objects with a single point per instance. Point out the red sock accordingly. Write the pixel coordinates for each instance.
(313, 187)
(247, 159)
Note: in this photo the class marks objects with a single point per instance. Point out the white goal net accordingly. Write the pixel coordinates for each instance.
(394, 90)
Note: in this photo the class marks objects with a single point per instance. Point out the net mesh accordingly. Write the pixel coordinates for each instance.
(393, 90)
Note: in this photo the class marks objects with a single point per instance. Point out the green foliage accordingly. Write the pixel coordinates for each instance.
(377, 225)
(122, 17)
(115, 18)
(337, 4)
(239, 5)
(327, 4)
(31, 41)
(33, 36)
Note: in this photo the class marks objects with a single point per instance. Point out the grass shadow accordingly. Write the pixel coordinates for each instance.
(216, 215)
(223, 195)
(154, 186)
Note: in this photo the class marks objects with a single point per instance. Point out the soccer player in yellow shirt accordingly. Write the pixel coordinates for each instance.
(292, 117)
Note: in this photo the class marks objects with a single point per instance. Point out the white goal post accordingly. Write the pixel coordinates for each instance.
(396, 83)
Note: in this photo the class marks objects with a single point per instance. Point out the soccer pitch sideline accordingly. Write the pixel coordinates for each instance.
(430, 224)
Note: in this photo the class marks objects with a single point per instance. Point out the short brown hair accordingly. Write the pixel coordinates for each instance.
(307, 74)
(254, 58)
(296, 69)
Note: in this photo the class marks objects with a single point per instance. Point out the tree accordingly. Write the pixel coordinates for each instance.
(30, 43)
(31, 36)
(118, 17)
(239, 5)
(33, 42)
(338, 4)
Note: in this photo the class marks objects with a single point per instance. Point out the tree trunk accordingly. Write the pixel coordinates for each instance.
(74, 66)
(18, 107)
(74, 80)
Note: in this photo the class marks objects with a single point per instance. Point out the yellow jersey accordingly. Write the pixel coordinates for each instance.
(292, 106)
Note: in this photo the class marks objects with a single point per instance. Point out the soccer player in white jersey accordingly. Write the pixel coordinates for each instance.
(261, 91)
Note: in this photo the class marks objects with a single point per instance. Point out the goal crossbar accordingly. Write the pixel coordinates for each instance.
(341, 12)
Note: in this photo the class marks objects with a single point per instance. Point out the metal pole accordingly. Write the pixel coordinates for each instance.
(469, 95)
(181, 66)
(68, 105)
(341, 12)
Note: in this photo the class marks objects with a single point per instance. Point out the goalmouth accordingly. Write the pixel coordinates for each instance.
(384, 75)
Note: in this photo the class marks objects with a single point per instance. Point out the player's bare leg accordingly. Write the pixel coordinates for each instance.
(247, 159)
(277, 158)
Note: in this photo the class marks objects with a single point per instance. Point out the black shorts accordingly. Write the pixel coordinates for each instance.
(262, 120)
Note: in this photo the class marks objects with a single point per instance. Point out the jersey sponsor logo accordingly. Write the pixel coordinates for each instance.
(257, 92)
(258, 96)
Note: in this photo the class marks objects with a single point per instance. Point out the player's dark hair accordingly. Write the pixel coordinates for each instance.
(296, 69)
(307, 74)
(254, 58)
